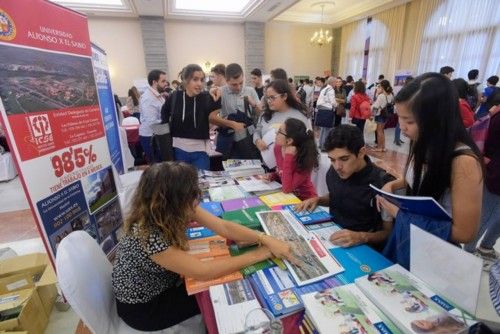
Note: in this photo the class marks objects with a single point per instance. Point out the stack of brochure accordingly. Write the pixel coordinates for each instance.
(239, 167)
(255, 183)
(224, 193)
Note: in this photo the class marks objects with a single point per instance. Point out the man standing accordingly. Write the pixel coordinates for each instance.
(154, 136)
(256, 79)
(326, 102)
(447, 71)
(350, 198)
(238, 114)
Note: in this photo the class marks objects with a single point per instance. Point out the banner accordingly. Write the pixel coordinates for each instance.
(108, 107)
(50, 110)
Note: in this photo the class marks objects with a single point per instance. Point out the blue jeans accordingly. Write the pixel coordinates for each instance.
(147, 147)
(397, 133)
(490, 222)
(198, 159)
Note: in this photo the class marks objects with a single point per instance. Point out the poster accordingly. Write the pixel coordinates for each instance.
(108, 107)
(400, 79)
(50, 110)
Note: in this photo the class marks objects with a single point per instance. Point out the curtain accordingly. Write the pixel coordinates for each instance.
(352, 51)
(386, 43)
(461, 34)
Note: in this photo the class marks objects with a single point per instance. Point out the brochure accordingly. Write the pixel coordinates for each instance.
(234, 250)
(220, 194)
(307, 217)
(214, 208)
(198, 232)
(323, 231)
(279, 198)
(236, 299)
(411, 304)
(246, 217)
(194, 286)
(240, 164)
(421, 205)
(254, 183)
(315, 263)
(241, 203)
(208, 247)
(345, 309)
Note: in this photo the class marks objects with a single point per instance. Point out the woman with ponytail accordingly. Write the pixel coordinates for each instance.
(296, 156)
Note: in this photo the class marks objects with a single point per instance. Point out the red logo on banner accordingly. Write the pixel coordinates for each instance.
(7, 26)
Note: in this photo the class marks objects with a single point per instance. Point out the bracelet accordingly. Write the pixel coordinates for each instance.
(261, 238)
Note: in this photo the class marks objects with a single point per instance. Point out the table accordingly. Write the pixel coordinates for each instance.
(290, 322)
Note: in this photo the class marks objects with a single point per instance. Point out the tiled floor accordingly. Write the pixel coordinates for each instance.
(18, 229)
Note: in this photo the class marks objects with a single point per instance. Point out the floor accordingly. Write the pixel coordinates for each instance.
(19, 232)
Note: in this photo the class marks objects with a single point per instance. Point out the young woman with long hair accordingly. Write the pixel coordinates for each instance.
(443, 161)
(296, 156)
(152, 255)
(384, 98)
(133, 102)
(360, 105)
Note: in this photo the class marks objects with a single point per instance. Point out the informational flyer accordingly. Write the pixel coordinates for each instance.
(314, 261)
(49, 108)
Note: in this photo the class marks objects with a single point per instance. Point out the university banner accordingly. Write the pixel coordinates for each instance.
(108, 107)
(50, 111)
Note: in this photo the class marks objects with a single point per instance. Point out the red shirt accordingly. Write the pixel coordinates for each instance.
(356, 101)
(466, 112)
(293, 179)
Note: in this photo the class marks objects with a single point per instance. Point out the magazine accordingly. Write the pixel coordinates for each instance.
(279, 198)
(236, 299)
(246, 217)
(307, 217)
(257, 183)
(278, 292)
(241, 203)
(315, 262)
(214, 208)
(411, 304)
(421, 205)
(220, 194)
(345, 309)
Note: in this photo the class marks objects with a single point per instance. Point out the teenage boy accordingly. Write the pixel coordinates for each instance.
(351, 200)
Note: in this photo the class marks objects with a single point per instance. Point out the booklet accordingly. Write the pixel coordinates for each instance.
(214, 208)
(307, 217)
(208, 247)
(194, 286)
(241, 164)
(198, 232)
(232, 302)
(421, 205)
(277, 291)
(279, 198)
(256, 183)
(246, 217)
(220, 194)
(234, 250)
(411, 304)
(241, 203)
(315, 262)
(345, 309)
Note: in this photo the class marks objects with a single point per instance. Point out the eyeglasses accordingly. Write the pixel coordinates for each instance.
(282, 133)
(273, 97)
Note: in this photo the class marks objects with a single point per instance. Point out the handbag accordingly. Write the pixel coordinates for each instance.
(324, 118)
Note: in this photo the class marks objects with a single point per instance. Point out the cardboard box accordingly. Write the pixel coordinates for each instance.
(31, 318)
(35, 268)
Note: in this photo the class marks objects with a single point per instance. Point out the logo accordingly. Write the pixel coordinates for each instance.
(365, 268)
(7, 27)
(40, 128)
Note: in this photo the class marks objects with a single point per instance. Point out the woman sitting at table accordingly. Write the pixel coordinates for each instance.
(133, 102)
(152, 255)
(296, 156)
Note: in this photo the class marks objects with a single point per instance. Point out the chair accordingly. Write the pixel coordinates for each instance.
(84, 275)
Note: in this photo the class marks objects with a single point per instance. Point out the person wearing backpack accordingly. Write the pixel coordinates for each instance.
(360, 105)
(382, 108)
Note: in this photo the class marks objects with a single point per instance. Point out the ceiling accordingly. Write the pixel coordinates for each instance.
(336, 12)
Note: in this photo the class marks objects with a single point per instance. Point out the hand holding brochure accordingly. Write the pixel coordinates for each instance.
(421, 205)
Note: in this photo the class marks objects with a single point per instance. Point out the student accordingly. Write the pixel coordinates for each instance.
(443, 162)
(350, 198)
(360, 109)
(152, 256)
(385, 99)
(465, 110)
(296, 156)
(188, 118)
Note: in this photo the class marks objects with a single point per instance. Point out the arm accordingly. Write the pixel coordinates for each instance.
(348, 238)
(215, 119)
(243, 234)
(311, 203)
(466, 198)
(179, 261)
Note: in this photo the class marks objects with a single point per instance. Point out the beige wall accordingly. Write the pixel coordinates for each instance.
(198, 42)
(122, 41)
(287, 46)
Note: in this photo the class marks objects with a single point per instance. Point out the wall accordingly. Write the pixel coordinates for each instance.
(287, 46)
(198, 42)
(122, 41)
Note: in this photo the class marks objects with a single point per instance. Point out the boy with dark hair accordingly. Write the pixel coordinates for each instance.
(256, 79)
(351, 200)
(447, 71)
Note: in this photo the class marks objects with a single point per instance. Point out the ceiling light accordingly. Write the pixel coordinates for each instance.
(322, 37)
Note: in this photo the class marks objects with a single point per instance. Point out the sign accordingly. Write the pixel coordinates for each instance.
(108, 107)
(50, 110)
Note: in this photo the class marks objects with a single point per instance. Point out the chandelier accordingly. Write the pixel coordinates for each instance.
(321, 37)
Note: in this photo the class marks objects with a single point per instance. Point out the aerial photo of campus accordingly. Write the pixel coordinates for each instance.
(34, 80)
